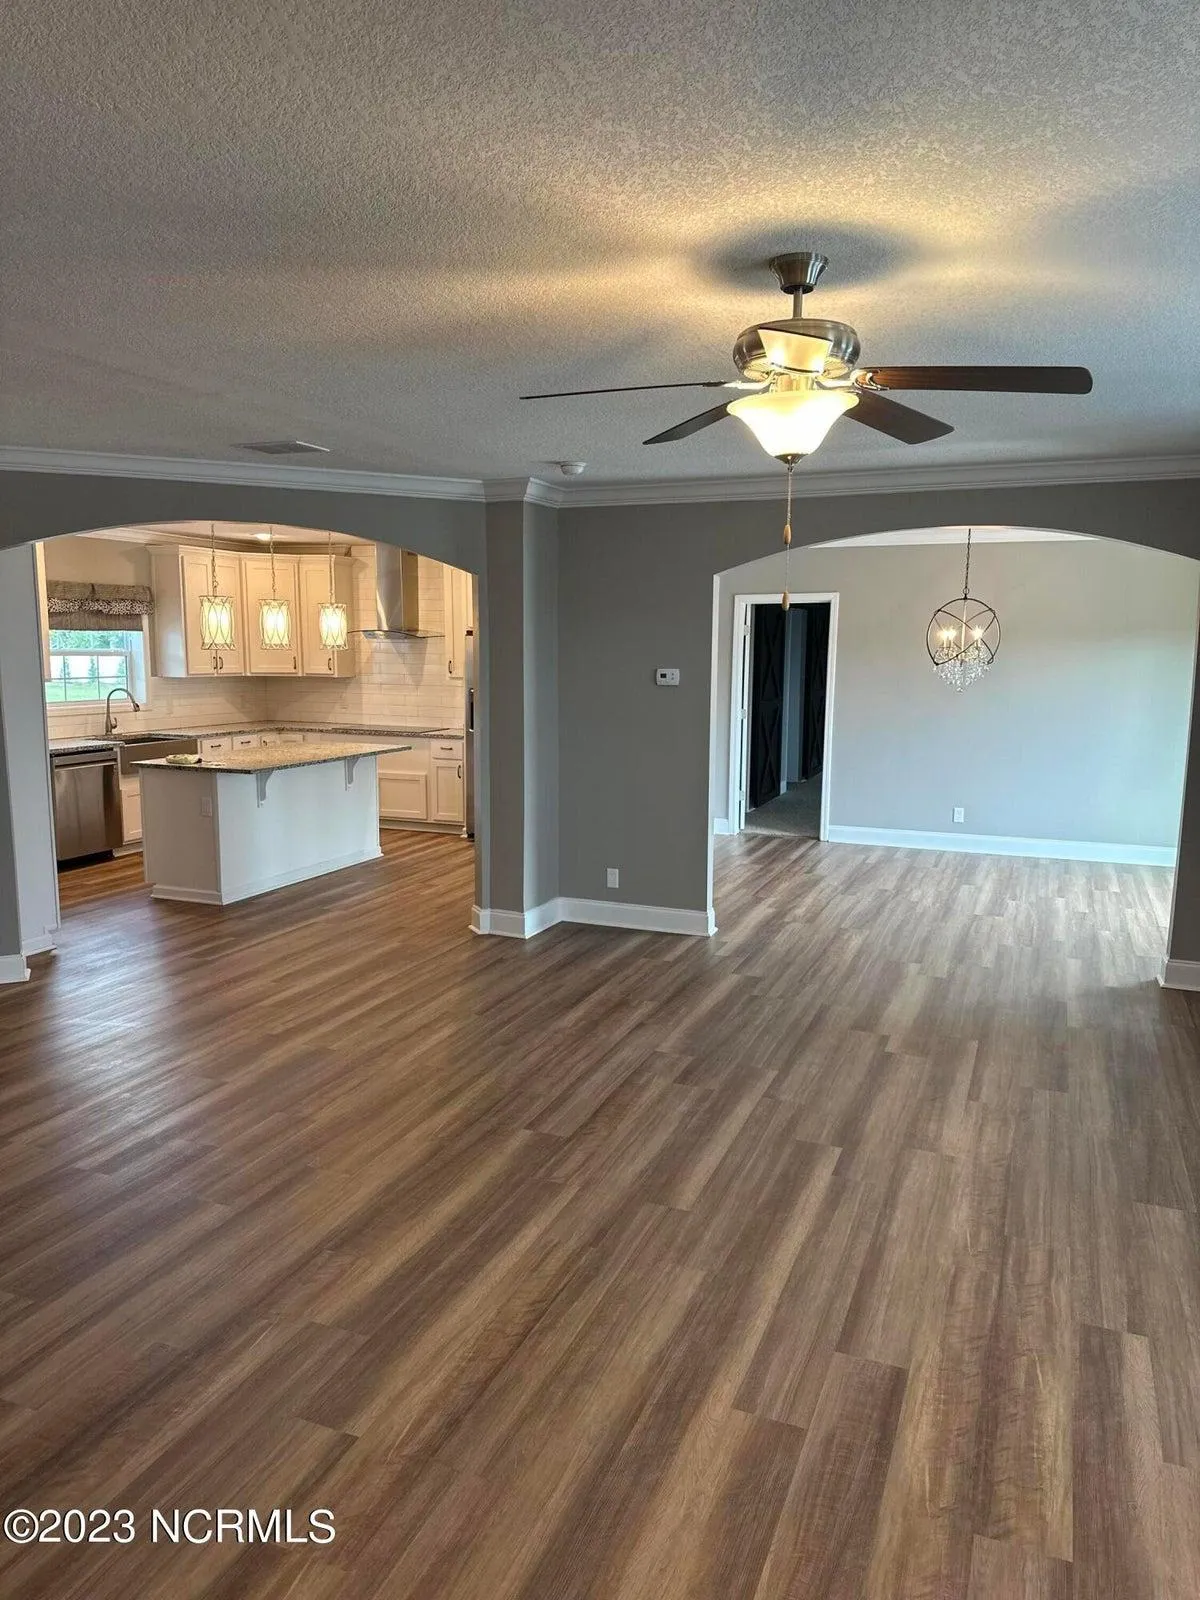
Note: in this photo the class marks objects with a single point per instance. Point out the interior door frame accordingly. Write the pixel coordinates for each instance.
(739, 702)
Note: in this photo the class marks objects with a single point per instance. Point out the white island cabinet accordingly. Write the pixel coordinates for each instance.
(247, 821)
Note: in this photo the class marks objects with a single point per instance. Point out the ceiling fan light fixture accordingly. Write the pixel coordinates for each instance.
(792, 422)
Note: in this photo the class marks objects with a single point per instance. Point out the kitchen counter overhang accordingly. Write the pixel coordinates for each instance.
(242, 824)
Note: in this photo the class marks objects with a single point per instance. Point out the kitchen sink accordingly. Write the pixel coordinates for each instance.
(153, 747)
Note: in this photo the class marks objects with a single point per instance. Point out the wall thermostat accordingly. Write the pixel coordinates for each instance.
(666, 677)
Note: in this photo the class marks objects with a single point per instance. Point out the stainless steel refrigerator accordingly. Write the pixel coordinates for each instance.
(469, 736)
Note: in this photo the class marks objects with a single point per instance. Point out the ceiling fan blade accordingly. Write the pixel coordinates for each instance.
(628, 388)
(897, 421)
(692, 425)
(993, 380)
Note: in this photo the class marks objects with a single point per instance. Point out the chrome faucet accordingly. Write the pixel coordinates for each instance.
(110, 722)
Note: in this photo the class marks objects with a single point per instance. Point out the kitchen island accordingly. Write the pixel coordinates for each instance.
(244, 823)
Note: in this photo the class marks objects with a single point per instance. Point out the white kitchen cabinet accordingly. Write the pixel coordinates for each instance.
(247, 741)
(131, 810)
(256, 587)
(447, 791)
(220, 744)
(315, 660)
(404, 796)
(180, 575)
(456, 592)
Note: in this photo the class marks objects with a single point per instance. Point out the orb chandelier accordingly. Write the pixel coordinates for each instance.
(331, 616)
(963, 636)
(274, 615)
(216, 609)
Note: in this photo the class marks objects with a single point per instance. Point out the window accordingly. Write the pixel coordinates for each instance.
(86, 663)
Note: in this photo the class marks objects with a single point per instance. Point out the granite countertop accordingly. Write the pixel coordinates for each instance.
(69, 746)
(275, 758)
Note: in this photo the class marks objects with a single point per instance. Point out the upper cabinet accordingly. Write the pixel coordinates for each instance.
(457, 594)
(181, 576)
(259, 585)
(315, 660)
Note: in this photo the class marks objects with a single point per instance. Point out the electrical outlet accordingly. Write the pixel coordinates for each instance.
(960, 814)
(614, 877)
(206, 805)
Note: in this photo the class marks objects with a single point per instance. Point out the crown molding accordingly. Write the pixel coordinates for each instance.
(888, 480)
(535, 491)
(270, 475)
(578, 493)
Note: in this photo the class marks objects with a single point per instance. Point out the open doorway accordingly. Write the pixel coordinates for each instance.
(782, 699)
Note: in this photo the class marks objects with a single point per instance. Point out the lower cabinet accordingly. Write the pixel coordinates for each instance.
(404, 796)
(447, 795)
(422, 785)
(131, 811)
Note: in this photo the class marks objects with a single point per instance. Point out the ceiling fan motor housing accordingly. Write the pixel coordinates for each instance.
(751, 359)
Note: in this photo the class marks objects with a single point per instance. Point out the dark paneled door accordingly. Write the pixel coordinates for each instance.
(816, 670)
(766, 704)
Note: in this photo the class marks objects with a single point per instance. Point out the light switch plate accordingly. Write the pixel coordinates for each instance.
(666, 677)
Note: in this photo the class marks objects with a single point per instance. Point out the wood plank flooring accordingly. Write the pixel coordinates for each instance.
(852, 1253)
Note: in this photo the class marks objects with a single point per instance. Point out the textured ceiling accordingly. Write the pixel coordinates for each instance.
(374, 225)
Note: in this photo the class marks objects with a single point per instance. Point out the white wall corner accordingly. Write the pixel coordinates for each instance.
(13, 969)
(996, 844)
(721, 825)
(1180, 975)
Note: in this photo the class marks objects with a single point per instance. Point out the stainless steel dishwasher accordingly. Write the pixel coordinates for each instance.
(87, 803)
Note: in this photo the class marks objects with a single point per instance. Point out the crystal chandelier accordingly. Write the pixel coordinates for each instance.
(963, 637)
(274, 615)
(331, 616)
(216, 609)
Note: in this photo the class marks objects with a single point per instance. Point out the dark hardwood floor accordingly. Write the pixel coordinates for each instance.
(852, 1253)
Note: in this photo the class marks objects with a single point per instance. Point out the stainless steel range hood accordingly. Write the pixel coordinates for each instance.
(397, 597)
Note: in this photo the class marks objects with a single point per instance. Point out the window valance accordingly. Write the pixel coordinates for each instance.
(97, 605)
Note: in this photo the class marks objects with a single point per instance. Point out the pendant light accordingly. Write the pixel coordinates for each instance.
(216, 609)
(792, 417)
(331, 617)
(274, 615)
(963, 636)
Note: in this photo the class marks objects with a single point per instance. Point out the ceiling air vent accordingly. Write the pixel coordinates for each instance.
(287, 447)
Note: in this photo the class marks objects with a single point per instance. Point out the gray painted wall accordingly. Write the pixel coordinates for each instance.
(22, 696)
(1078, 733)
(10, 915)
(636, 590)
(541, 705)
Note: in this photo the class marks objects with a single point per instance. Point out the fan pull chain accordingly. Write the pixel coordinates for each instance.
(787, 539)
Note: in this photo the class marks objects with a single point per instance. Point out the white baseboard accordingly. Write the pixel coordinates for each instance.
(508, 924)
(1180, 975)
(638, 918)
(39, 945)
(721, 825)
(998, 844)
(595, 913)
(13, 969)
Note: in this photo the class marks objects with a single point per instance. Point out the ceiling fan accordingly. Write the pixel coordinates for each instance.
(802, 374)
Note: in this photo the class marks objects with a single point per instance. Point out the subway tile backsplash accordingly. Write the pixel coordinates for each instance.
(399, 681)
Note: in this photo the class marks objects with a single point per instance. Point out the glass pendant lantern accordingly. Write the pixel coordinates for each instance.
(274, 615)
(216, 609)
(332, 624)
